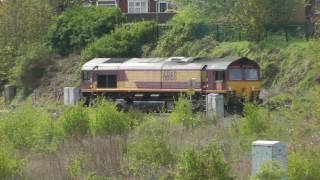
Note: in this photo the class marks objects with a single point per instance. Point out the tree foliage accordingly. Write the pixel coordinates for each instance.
(23, 22)
(126, 41)
(78, 26)
(216, 10)
(187, 26)
(255, 17)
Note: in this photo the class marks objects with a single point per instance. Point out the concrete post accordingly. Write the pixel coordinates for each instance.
(215, 105)
(266, 151)
(9, 93)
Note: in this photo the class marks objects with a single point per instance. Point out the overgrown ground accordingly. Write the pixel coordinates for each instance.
(49, 141)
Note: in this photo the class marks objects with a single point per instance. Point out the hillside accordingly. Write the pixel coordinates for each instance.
(61, 72)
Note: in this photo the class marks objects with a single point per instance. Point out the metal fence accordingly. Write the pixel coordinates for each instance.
(231, 33)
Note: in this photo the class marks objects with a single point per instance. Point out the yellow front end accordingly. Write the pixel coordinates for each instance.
(246, 89)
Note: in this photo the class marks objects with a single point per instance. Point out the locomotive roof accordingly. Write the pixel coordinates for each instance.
(183, 63)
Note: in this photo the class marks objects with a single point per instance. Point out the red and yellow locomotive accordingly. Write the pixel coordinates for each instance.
(163, 79)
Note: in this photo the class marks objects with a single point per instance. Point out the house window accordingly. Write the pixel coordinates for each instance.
(137, 6)
(235, 74)
(108, 3)
(162, 6)
(219, 75)
(251, 74)
(317, 5)
(107, 81)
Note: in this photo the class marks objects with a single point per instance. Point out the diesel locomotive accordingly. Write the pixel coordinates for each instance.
(131, 80)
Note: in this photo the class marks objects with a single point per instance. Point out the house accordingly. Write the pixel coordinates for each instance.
(133, 6)
(136, 10)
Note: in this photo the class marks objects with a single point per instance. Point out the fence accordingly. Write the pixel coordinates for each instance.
(226, 32)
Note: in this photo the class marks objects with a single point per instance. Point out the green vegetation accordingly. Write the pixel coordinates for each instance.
(126, 41)
(10, 166)
(182, 112)
(75, 121)
(149, 151)
(107, 120)
(208, 164)
(99, 142)
(186, 27)
(270, 171)
(77, 27)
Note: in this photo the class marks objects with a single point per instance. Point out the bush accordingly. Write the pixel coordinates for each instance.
(28, 127)
(30, 67)
(254, 122)
(77, 27)
(75, 166)
(10, 166)
(126, 41)
(106, 119)
(208, 164)
(270, 171)
(182, 112)
(149, 149)
(304, 164)
(188, 25)
(75, 121)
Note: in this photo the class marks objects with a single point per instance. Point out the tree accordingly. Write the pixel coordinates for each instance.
(77, 27)
(24, 22)
(217, 10)
(61, 5)
(255, 17)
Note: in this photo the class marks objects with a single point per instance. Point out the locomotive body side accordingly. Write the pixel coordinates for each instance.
(163, 79)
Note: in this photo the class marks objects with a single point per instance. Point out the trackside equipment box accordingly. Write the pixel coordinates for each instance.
(215, 105)
(266, 151)
(71, 96)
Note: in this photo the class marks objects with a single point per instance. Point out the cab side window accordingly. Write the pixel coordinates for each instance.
(219, 76)
(86, 75)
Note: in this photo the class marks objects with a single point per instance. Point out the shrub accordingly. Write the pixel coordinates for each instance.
(270, 171)
(254, 122)
(75, 121)
(208, 164)
(126, 41)
(304, 165)
(75, 166)
(28, 127)
(182, 112)
(108, 120)
(149, 149)
(10, 165)
(188, 25)
(77, 27)
(30, 67)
